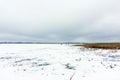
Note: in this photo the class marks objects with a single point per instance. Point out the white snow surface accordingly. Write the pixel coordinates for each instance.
(57, 62)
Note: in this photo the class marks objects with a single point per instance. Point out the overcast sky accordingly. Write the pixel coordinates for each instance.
(60, 20)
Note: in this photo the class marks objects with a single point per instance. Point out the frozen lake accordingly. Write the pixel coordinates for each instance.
(57, 62)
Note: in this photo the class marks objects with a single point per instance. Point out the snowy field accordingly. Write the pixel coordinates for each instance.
(57, 62)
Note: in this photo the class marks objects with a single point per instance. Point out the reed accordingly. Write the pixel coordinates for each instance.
(101, 45)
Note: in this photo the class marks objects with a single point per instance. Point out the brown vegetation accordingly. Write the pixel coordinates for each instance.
(101, 45)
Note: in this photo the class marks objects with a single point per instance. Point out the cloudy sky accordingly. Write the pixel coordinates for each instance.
(60, 20)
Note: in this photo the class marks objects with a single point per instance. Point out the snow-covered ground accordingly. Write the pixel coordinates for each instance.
(57, 62)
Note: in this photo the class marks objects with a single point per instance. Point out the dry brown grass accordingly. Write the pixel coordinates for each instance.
(101, 45)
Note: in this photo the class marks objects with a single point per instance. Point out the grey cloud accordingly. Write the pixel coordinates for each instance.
(64, 20)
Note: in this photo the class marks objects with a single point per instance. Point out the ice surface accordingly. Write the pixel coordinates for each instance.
(57, 62)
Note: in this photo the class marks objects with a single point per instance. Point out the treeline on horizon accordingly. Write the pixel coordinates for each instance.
(40, 43)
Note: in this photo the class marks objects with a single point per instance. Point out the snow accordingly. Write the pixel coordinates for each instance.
(57, 62)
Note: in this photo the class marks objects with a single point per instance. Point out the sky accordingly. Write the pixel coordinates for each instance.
(60, 20)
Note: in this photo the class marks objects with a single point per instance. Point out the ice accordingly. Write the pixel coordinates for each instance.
(57, 62)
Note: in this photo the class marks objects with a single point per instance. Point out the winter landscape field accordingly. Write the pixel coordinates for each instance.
(57, 62)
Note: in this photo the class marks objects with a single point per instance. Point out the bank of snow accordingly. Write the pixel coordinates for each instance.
(57, 62)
